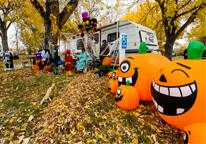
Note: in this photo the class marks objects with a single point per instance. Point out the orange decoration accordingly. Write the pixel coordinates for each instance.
(127, 97)
(35, 67)
(37, 61)
(106, 61)
(113, 85)
(195, 134)
(112, 74)
(48, 68)
(139, 70)
(178, 91)
(115, 58)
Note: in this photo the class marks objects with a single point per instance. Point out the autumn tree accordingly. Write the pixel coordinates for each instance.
(178, 12)
(6, 19)
(53, 18)
(31, 27)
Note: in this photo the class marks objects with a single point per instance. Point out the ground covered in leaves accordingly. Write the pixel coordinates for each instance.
(20, 94)
(84, 112)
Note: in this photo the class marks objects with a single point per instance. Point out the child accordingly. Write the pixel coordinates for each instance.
(55, 58)
(68, 63)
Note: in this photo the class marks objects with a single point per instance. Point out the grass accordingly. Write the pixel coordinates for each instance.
(20, 97)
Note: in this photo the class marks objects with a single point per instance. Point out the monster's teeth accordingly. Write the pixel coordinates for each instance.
(155, 102)
(120, 79)
(164, 90)
(153, 83)
(185, 91)
(129, 79)
(175, 92)
(160, 109)
(156, 87)
(180, 110)
(193, 87)
(118, 91)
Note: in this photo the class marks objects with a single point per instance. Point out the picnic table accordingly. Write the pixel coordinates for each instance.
(31, 61)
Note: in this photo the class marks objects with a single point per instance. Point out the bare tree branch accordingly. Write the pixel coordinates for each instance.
(10, 24)
(39, 8)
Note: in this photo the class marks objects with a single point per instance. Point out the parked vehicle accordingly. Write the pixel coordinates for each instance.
(135, 35)
(204, 55)
(174, 54)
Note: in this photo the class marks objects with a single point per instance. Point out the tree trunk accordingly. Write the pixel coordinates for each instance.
(4, 40)
(168, 49)
(48, 33)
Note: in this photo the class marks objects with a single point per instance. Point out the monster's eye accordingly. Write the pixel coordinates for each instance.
(113, 74)
(125, 66)
(119, 91)
(110, 84)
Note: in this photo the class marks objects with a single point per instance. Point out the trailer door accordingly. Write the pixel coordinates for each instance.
(97, 43)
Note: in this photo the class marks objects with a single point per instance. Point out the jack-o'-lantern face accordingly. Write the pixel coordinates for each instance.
(139, 69)
(127, 97)
(112, 74)
(112, 85)
(178, 92)
(195, 133)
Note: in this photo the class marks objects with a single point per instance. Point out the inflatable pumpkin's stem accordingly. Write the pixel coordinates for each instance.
(195, 50)
(143, 48)
(114, 78)
(127, 83)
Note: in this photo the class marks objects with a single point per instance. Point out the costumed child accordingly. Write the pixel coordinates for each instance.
(55, 59)
(68, 63)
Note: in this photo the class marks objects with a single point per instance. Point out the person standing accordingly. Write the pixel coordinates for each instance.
(185, 54)
(68, 63)
(55, 58)
(104, 48)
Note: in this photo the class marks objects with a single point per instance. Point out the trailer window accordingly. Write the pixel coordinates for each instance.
(112, 37)
(79, 44)
(96, 38)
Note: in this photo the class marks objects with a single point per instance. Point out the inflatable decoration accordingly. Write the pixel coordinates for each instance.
(73, 37)
(60, 69)
(106, 61)
(8, 59)
(112, 74)
(113, 85)
(48, 68)
(35, 67)
(195, 133)
(93, 23)
(178, 89)
(127, 97)
(139, 69)
(116, 58)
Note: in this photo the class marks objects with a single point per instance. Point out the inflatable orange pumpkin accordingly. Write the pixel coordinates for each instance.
(179, 94)
(195, 133)
(113, 85)
(35, 67)
(106, 61)
(112, 74)
(127, 97)
(116, 58)
(178, 90)
(139, 69)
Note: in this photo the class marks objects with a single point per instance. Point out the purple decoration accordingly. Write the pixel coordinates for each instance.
(72, 66)
(84, 15)
(6, 55)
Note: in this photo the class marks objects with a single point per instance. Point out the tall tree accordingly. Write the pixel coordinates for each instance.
(6, 19)
(53, 19)
(174, 12)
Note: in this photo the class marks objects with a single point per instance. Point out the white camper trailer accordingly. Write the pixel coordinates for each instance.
(135, 35)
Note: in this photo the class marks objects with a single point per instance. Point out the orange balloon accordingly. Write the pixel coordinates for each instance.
(106, 61)
(127, 97)
(195, 133)
(113, 85)
(139, 70)
(179, 92)
(112, 74)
